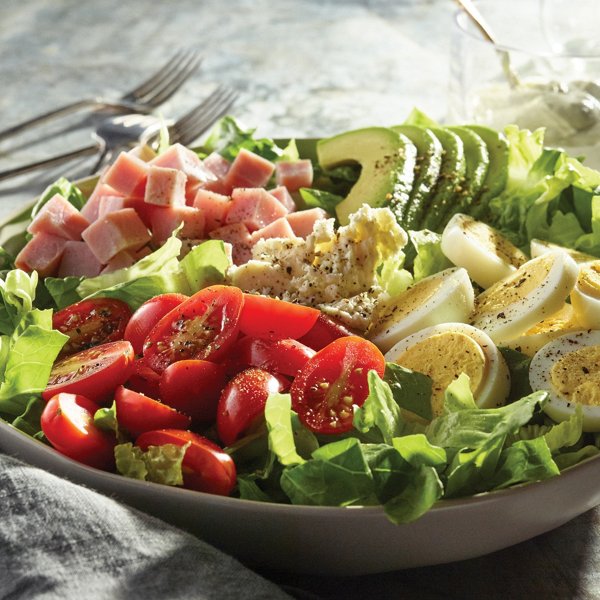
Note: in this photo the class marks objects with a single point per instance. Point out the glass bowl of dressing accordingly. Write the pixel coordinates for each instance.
(543, 71)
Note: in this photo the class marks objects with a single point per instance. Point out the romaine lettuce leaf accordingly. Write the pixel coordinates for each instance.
(429, 257)
(279, 425)
(66, 189)
(161, 464)
(314, 198)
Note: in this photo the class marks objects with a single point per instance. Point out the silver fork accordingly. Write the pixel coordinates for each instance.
(126, 131)
(157, 89)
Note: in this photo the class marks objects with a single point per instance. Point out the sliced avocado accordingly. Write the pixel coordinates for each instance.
(497, 174)
(452, 175)
(387, 161)
(427, 169)
(478, 162)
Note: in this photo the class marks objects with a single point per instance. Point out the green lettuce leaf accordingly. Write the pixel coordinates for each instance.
(420, 119)
(279, 425)
(411, 390)
(429, 257)
(458, 395)
(518, 367)
(66, 189)
(161, 464)
(314, 198)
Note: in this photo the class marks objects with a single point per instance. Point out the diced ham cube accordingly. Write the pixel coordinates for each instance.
(128, 175)
(78, 261)
(214, 206)
(165, 221)
(42, 253)
(303, 221)
(238, 236)
(254, 207)
(165, 186)
(121, 260)
(59, 217)
(183, 159)
(116, 231)
(277, 229)
(294, 175)
(249, 170)
(91, 207)
(110, 204)
(283, 195)
(218, 164)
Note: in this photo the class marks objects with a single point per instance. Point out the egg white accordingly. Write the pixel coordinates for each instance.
(586, 302)
(495, 385)
(560, 407)
(485, 253)
(418, 307)
(539, 247)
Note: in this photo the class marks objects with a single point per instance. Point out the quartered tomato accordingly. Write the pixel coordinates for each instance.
(324, 331)
(193, 387)
(203, 327)
(138, 413)
(206, 467)
(91, 322)
(68, 423)
(242, 402)
(147, 316)
(94, 373)
(333, 381)
(269, 318)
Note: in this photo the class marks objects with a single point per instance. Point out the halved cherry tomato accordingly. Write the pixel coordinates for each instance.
(206, 467)
(286, 356)
(138, 413)
(68, 423)
(242, 402)
(94, 373)
(203, 327)
(334, 380)
(147, 316)
(324, 331)
(91, 322)
(193, 387)
(273, 319)
(144, 380)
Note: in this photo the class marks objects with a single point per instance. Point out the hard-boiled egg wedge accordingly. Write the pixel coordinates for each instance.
(532, 293)
(568, 368)
(539, 247)
(443, 352)
(485, 253)
(545, 331)
(585, 296)
(440, 298)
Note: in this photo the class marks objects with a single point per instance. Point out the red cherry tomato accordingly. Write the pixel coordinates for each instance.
(144, 380)
(91, 322)
(193, 387)
(68, 423)
(285, 357)
(94, 373)
(206, 467)
(334, 380)
(324, 331)
(203, 327)
(138, 413)
(272, 319)
(242, 402)
(147, 316)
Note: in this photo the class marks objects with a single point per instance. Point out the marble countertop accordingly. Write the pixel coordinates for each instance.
(303, 68)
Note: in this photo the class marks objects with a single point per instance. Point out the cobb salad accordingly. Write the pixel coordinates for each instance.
(390, 316)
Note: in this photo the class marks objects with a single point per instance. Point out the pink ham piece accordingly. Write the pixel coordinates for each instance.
(183, 159)
(238, 236)
(128, 175)
(108, 204)
(249, 170)
(116, 231)
(217, 164)
(303, 221)
(91, 207)
(166, 220)
(59, 217)
(125, 259)
(283, 195)
(42, 253)
(165, 187)
(214, 207)
(78, 261)
(294, 175)
(254, 207)
(279, 228)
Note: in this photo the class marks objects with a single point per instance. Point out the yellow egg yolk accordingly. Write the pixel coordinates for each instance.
(494, 242)
(577, 376)
(443, 357)
(588, 280)
(560, 321)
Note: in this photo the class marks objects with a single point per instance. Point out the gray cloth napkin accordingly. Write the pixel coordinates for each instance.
(61, 540)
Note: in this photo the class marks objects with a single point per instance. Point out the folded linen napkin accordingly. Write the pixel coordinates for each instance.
(61, 540)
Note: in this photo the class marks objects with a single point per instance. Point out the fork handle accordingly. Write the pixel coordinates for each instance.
(49, 162)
